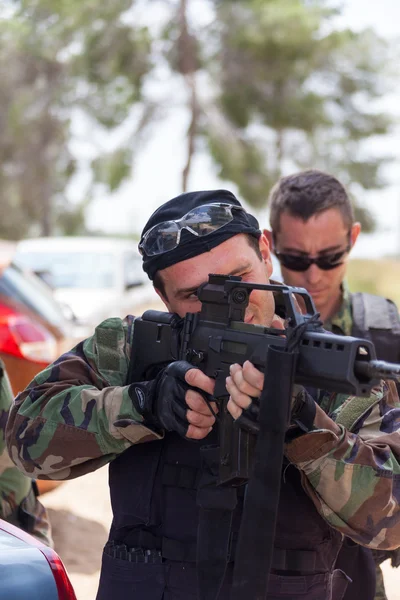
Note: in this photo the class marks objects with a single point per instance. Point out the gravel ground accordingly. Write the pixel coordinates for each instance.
(80, 513)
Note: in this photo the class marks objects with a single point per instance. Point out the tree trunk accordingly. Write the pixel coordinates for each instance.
(46, 217)
(191, 134)
(188, 63)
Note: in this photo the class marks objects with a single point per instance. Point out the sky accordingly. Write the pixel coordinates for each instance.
(157, 167)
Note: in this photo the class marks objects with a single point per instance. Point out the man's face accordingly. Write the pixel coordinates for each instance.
(323, 234)
(233, 257)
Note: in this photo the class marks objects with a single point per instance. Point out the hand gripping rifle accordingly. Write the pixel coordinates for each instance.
(302, 353)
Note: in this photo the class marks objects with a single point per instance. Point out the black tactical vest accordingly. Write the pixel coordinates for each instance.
(151, 550)
(377, 319)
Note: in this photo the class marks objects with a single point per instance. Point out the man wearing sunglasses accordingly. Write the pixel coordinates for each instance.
(312, 233)
(85, 411)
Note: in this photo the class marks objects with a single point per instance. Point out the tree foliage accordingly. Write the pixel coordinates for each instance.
(286, 90)
(57, 57)
(288, 76)
(270, 87)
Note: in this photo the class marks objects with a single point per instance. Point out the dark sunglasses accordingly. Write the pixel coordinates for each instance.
(302, 263)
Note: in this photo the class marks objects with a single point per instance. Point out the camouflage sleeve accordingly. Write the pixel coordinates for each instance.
(353, 477)
(76, 415)
(18, 502)
(14, 486)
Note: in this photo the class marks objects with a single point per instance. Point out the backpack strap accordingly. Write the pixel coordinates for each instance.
(354, 409)
(377, 319)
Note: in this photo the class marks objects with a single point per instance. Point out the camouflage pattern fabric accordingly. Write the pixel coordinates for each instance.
(77, 415)
(18, 503)
(342, 323)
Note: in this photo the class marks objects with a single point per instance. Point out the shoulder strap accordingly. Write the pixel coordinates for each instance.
(377, 319)
(374, 312)
(354, 409)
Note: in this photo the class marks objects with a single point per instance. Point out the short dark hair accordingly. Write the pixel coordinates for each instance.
(307, 193)
(158, 282)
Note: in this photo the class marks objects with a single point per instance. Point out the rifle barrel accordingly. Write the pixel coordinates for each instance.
(377, 369)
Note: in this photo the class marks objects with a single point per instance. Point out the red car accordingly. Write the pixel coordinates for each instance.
(34, 330)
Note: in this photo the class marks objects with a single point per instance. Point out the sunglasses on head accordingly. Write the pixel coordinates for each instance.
(200, 221)
(325, 262)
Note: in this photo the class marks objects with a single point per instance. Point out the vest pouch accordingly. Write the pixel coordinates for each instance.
(132, 477)
(320, 586)
(358, 563)
(169, 580)
(124, 580)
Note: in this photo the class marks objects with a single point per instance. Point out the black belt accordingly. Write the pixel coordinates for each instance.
(135, 555)
(168, 548)
(137, 543)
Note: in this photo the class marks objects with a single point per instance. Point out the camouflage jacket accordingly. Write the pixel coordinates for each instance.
(342, 323)
(77, 415)
(18, 502)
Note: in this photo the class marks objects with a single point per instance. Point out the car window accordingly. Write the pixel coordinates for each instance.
(133, 271)
(24, 288)
(73, 269)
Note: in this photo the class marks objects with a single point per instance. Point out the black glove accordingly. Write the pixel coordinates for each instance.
(303, 409)
(162, 400)
(302, 414)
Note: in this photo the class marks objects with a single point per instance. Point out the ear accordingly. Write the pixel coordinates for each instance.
(354, 233)
(265, 252)
(268, 234)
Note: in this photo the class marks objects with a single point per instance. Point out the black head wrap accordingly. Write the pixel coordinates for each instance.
(191, 245)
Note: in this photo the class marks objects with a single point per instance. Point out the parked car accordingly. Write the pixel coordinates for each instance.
(34, 331)
(98, 277)
(29, 570)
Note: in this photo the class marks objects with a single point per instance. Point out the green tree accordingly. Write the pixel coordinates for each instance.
(57, 57)
(285, 91)
(270, 86)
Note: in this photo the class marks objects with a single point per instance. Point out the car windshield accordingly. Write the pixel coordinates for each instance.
(72, 269)
(30, 291)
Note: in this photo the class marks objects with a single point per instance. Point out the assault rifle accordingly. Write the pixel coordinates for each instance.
(217, 337)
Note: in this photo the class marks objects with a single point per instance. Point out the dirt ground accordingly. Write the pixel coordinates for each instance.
(80, 513)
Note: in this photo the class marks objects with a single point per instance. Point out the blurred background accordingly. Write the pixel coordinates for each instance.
(108, 110)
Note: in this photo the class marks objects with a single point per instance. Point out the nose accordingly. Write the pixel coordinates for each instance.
(313, 274)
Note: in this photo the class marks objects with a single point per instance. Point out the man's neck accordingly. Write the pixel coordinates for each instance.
(329, 309)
